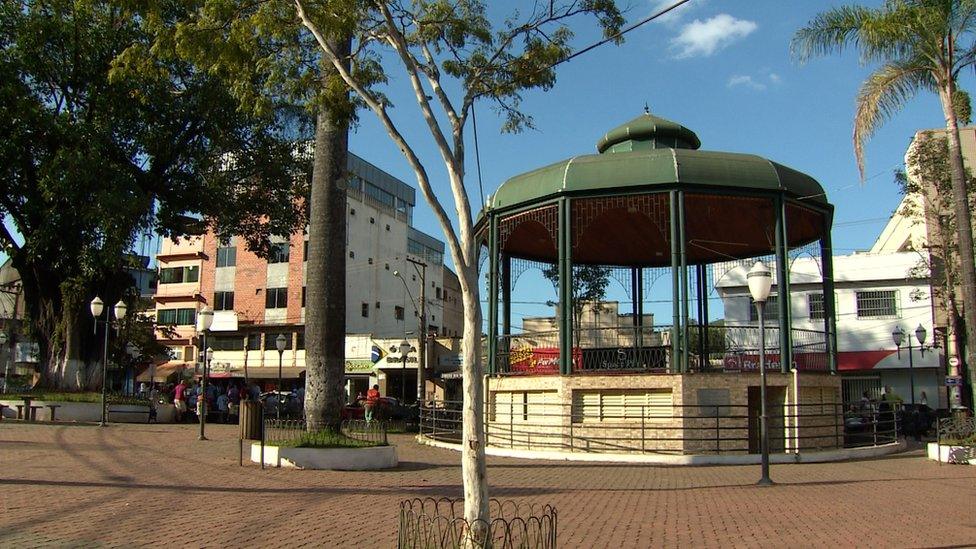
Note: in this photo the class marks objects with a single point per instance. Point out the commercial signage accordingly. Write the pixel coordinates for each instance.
(954, 361)
(540, 360)
(804, 362)
(953, 381)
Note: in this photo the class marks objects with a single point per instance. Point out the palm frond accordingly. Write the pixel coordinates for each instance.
(883, 94)
(876, 34)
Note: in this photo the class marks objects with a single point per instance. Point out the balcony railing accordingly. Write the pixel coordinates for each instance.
(649, 349)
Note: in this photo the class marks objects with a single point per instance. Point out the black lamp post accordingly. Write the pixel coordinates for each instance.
(96, 307)
(405, 349)
(898, 336)
(6, 364)
(280, 343)
(204, 321)
(421, 269)
(760, 281)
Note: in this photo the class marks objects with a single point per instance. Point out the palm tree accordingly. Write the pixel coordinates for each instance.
(918, 45)
(325, 315)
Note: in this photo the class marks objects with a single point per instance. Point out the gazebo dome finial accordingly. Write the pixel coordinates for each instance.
(648, 132)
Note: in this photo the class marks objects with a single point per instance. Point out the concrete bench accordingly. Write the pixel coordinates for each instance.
(2, 408)
(53, 408)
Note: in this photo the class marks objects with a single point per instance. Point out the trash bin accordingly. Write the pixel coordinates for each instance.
(250, 420)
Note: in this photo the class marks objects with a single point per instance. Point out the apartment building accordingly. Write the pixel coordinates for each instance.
(256, 299)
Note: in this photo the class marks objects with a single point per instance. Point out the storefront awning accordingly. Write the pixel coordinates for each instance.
(162, 372)
(257, 373)
(888, 360)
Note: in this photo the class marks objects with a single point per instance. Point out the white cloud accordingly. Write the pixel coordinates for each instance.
(674, 16)
(703, 38)
(758, 82)
(745, 81)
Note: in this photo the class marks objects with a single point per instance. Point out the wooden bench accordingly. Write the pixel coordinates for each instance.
(32, 411)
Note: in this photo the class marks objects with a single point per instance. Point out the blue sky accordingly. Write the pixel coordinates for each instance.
(721, 68)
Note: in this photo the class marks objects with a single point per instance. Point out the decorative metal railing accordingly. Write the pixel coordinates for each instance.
(430, 523)
(669, 429)
(715, 348)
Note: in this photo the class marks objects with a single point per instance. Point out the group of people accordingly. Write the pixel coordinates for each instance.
(188, 397)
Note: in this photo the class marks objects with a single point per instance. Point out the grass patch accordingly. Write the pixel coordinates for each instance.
(968, 441)
(88, 396)
(325, 439)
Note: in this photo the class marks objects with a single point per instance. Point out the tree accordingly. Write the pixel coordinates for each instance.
(262, 53)
(102, 140)
(927, 180)
(589, 288)
(452, 56)
(922, 45)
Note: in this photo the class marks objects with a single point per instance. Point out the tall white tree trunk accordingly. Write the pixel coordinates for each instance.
(473, 468)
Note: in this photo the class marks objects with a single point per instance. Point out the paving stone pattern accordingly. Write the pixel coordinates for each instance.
(146, 485)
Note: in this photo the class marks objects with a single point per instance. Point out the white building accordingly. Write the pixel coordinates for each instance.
(875, 293)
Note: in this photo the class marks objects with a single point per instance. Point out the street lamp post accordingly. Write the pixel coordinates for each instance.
(405, 349)
(96, 306)
(280, 343)
(760, 281)
(421, 269)
(6, 364)
(898, 336)
(204, 321)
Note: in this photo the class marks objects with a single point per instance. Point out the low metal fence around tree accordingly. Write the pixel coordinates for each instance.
(666, 429)
(428, 523)
(277, 431)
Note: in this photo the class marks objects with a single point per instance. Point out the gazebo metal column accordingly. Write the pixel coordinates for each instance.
(827, 284)
(675, 284)
(701, 281)
(493, 340)
(565, 289)
(683, 247)
(505, 281)
(783, 287)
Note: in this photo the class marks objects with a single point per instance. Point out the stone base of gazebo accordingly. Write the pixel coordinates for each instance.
(695, 413)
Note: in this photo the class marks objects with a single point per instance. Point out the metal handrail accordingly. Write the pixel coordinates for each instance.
(675, 428)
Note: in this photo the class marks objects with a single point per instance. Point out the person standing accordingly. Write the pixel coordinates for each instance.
(372, 401)
(179, 400)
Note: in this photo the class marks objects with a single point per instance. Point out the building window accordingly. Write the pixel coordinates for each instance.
(438, 293)
(398, 312)
(177, 317)
(388, 228)
(279, 253)
(305, 251)
(352, 254)
(877, 304)
(377, 304)
(370, 261)
(223, 301)
(770, 309)
(815, 306)
(226, 343)
(254, 342)
(372, 220)
(276, 298)
(303, 296)
(300, 343)
(365, 310)
(226, 256)
(387, 265)
(352, 211)
(179, 275)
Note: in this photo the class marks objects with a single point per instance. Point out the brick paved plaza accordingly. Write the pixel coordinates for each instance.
(139, 485)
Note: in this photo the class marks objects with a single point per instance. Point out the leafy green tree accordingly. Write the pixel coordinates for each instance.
(589, 288)
(101, 141)
(927, 181)
(921, 45)
(452, 55)
(261, 51)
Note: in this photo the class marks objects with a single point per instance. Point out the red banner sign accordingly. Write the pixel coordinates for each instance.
(540, 360)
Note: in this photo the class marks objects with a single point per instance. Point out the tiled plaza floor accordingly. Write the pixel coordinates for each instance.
(144, 485)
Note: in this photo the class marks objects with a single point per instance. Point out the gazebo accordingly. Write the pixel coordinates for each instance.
(668, 221)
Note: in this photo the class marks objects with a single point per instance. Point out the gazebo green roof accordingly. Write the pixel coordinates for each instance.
(652, 152)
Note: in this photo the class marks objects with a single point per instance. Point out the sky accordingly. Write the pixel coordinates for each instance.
(722, 68)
